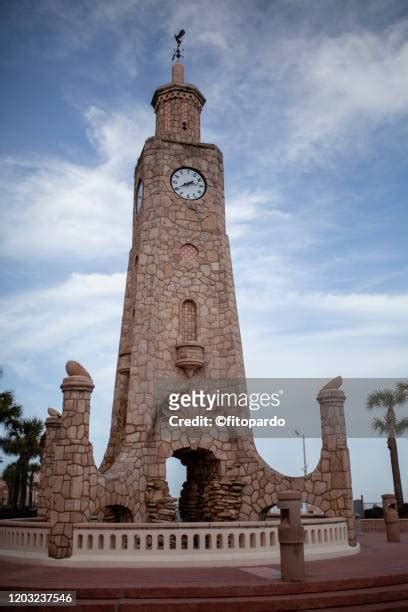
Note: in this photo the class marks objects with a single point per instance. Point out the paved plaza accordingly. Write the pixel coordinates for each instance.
(375, 579)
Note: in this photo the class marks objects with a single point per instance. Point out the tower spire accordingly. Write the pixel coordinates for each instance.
(178, 104)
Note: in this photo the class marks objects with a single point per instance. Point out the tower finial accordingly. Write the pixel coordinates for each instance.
(177, 52)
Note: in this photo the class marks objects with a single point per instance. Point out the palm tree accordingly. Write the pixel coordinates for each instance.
(22, 440)
(403, 386)
(32, 430)
(388, 424)
(33, 469)
(9, 476)
(11, 446)
(10, 412)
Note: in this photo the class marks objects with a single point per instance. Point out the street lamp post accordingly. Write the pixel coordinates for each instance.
(302, 435)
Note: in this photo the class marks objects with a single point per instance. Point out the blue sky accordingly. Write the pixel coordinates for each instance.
(309, 103)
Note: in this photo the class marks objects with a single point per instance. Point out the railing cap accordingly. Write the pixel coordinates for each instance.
(187, 526)
(17, 523)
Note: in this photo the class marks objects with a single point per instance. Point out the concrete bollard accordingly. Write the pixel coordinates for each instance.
(291, 537)
(391, 518)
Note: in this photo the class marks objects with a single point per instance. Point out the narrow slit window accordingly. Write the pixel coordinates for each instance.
(189, 321)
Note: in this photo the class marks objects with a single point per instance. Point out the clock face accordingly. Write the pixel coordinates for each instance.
(188, 183)
(139, 196)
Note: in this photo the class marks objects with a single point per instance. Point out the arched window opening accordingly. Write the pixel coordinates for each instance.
(189, 254)
(134, 281)
(139, 196)
(189, 321)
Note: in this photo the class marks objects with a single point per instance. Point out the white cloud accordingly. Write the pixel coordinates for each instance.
(77, 27)
(346, 85)
(118, 136)
(79, 319)
(289, 94)
(303, 90)
(351, 353)
(245, 207)
(59, 207)
(388, 307)
(216, 39)
(291, 328)
(40, 330)
(248, 205)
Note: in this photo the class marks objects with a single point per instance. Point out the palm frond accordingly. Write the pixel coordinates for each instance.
(381, 398)
(387, 398)
(32, 427)
(9, 445)
(6, 398)
(401, 426)
(380, 425)
(9, 472)
(10, 412)
(402, 385)
(401, 394)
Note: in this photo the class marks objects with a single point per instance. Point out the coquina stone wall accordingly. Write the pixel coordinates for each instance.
(179, 324)
(225, 480)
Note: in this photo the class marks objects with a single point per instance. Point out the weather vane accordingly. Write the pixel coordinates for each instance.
(178, 52)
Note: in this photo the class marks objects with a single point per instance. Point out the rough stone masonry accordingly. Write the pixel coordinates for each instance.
(179, 323)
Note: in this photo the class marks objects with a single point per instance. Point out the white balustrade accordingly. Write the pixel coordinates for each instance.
(175, 544)
(326, 538)
(28, 536)
(243, 543)
(125, 539)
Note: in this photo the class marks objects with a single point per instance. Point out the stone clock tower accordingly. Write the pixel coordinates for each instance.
(180, 317)
(179, 325)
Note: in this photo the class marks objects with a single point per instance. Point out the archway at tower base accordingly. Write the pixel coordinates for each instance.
(115, 514)
(197, 495)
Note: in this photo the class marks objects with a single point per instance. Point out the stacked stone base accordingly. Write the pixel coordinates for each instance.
(226, 480)
(222, 500)
(160, 506)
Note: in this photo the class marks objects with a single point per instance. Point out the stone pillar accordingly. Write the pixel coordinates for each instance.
(75, 475)
(391, 518)
(291, 537)
(335, 464)
(52, 430)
